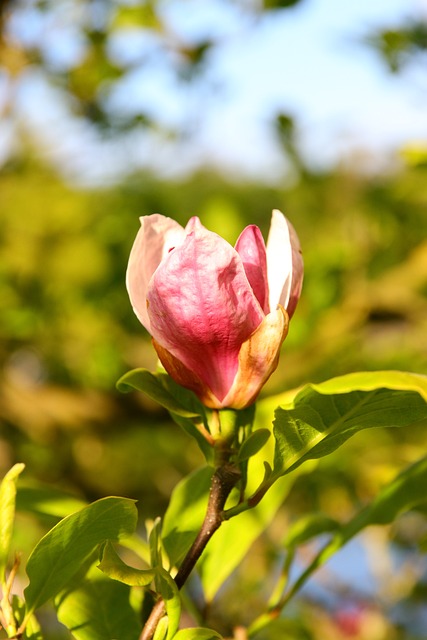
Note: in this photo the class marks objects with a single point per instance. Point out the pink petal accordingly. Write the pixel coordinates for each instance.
(156, 237)
(284, 264)
(202, 308)
(251, 248)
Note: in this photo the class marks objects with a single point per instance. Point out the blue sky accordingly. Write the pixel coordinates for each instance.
(308, 61)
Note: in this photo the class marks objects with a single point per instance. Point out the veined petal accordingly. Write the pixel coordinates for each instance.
(251, 248)
(284, 263)
(156, 237)
(258, 358)
(202, 308)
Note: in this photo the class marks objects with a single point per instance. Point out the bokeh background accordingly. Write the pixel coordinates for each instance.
(225, 109)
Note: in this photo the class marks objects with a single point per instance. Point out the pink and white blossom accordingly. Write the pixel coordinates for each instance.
(218, 315)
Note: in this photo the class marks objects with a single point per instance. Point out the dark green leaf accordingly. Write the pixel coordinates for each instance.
(114, 567)
(158, 387)
(253, 444)
(65, 548)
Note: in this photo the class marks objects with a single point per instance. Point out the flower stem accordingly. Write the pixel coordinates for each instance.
(223, 480)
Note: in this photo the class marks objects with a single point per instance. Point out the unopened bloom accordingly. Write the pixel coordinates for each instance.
(218, 315)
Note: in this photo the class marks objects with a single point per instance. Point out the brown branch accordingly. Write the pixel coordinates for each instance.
(223, 481)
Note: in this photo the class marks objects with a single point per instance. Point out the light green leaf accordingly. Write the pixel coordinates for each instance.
(253, 444)
(65, 548)
(99, 610)
(158, 386)
(7, 513)
(185, 513)
(161, 629)
(170, 594)
(114, 567)
(32, 628)
(319, 420)
(154, 544)
(197, 633)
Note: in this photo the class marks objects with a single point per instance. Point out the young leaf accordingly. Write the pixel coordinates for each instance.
(114, 567)
(253, 444)
(317, 423)
(197, 633)
(7, 513)
(159, 390)
(63, 550)
(99, 609)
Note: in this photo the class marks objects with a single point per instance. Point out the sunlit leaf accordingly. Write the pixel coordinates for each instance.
(99, 609)
(170, 594)
(65, 548)
(113, 566)
(185, 513)
(322, 417)
(7, 512)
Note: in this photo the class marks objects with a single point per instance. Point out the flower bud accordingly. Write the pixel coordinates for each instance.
(218, 315)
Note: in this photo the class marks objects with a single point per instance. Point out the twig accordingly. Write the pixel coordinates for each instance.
(223, 481)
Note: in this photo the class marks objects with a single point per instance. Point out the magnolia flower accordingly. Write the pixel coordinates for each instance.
(218, 315)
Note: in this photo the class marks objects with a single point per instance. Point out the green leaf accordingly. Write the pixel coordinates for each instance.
(197, 633)
(114, 567)
(185, 513)
(65, 548)
(47, 501)
(158, 386)
(170, 594)
(154, 543)
(322, 417)
(253, 444)
(99, 610)
(161, 629)
(406, 491)
(309, 527)
(7, 513)
(183, 405)
(32, 628)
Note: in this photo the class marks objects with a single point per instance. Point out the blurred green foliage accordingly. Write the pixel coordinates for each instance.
(67, 331)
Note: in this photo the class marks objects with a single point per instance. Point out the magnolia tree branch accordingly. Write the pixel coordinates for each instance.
(223, 481)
